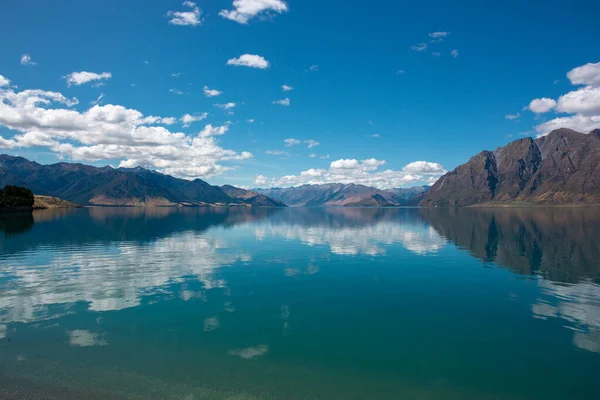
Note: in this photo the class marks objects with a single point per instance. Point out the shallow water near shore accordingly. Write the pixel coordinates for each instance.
(169, 303)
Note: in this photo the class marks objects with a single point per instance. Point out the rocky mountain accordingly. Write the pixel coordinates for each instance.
(562, 167)
(89, 185)
(343, 195)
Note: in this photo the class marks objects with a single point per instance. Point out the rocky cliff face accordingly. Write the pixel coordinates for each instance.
(560, 168)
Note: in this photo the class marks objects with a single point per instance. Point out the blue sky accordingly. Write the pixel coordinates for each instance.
(360, 86)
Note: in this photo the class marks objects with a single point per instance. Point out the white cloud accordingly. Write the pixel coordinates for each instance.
(419, 47)
(438, 35)
(251, 121)
(188, 119)
(454, 53)
(176, 74)
(312, 155)
(540, 106)
(186, 18)
(26, 60)
(245, 10)
(286, 88)
(325, 157)
(260, 180)
(584, 101)
(4, 81)
(375, 135)
(436, 54)
(400, 72)
(282, 102)
(225, 106)
(80, 78)
(291, 142)
(98, 100)
(249, 60)
(313, 68)
(588, 74)
(176, 91)
(109, 132)
(364, 172)
(210, 131)
(311, 143)
(579, 123)
(211, 92)
(512, 116)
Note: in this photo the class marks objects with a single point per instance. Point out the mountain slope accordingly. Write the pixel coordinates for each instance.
(342, 195)
(88, 185)
(250, 197)
(560, 168)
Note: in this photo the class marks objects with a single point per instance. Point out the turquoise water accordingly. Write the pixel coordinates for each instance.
(166, 303)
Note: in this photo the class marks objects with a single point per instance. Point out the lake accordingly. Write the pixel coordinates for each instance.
(304, 303)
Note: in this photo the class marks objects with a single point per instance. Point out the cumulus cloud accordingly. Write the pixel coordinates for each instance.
(4, 81)
(211, 92)
(188, 119)
(583, 103)
(366, 172)
(588, 74)
(540, 106)
(109, 132)
(26, 60)
(186, 18)
(283, 102)
(80, 78)
(249, 60)
(313, 68)
(420, 47)
(260, 180)
(176, 91)
(454, 53)
(245, 10)
(291, 142)
(286, 88)
(512, 116)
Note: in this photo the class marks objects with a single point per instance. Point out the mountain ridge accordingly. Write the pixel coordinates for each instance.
(560, 168)
(106, 186)
(343, 195)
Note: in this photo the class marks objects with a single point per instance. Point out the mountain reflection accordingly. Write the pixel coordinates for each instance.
(560, 246)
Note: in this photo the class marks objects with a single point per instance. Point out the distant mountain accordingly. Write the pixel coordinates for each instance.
(88, 185)
(250, 197)
(560, 168)
(343, 195)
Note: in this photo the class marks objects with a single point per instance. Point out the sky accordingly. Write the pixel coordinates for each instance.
(257, 93)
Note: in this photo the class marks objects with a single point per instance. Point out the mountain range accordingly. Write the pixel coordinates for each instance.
(560, 168)
(107, 186)
(344, 195)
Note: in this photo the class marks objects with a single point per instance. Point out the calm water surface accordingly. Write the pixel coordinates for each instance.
(110, 303)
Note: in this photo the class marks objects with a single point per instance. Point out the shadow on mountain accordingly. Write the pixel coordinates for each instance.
(559, 244)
